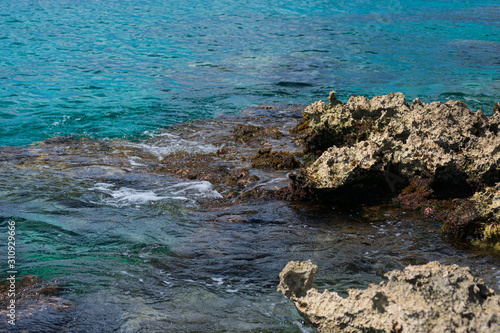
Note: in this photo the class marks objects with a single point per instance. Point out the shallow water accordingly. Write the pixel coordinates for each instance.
(157, 266)
(140, 251)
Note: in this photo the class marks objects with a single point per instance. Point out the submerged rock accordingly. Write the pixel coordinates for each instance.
(246, 133)
(279, 160)
(242, 157)
(427, 298)
(35, 303)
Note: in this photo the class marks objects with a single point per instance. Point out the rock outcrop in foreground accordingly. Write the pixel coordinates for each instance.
(427, 298)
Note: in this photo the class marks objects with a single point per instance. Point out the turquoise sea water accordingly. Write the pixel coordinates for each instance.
(135, 250)
(118, 68)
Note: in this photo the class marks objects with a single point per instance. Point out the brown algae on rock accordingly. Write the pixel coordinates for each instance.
(487, 204)
(35, 299)
(417, 193)
(279, 160)
(245, 133)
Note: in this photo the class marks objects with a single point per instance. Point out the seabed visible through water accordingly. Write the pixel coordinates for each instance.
(179, 233)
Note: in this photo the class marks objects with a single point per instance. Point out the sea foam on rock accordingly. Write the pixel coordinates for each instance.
(426, 298)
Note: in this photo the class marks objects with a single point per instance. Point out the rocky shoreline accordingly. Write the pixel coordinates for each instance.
(372, 157)
(442, 159)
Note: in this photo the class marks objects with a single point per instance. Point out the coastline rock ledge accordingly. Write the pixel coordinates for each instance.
(457, 149)
(369, 151)
(425, 298)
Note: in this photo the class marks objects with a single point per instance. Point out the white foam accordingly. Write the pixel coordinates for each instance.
(126, 273)
(218, 280)
(170, 135)
(172, 144)
(188, 192)
(197, 189)
(60, 123)
(133, 162)
(125, 196)
(471, 99)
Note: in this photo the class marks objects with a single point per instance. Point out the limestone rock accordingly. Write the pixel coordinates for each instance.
(297, 278)
(446, 142)
(427, 298)
(487, 203)
(339, 166)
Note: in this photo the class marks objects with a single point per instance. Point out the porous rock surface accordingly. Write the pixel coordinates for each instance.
(426, 298)
(487, 204)
(447, 142)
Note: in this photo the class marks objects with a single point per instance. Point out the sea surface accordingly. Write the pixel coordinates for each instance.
(118, 68)
(136, 251)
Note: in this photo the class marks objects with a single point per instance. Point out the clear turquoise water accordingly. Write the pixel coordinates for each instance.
(118, 68)
(134, 251)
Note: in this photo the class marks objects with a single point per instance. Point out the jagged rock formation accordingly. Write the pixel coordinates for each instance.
(427, 298)
(384, 147)
(446, 142)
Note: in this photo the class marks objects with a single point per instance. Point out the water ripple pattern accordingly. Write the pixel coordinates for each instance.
(119, 68)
